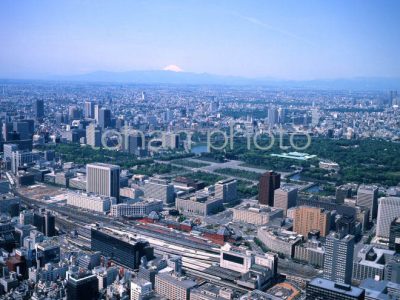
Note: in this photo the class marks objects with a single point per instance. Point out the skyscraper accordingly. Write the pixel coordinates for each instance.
(338, 261)
(97, 108)
(388, 210)
(93, 135)
(82, 286)
(272, 116)
(394, 235)
(285, 197)
(89, 109)
(103, 179)
(269, 182)
(104, 118)
(367, 196)
(38, 109)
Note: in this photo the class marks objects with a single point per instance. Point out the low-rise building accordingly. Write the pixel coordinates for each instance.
(256, 214)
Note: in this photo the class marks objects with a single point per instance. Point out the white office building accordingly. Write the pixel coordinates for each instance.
(389, 209)
(91, 201)
(103, 179)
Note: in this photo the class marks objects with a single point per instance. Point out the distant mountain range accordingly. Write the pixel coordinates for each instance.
(170, 77)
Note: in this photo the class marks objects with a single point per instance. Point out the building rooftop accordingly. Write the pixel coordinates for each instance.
(339, 288)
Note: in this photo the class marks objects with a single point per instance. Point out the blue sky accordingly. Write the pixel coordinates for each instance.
(287, 39)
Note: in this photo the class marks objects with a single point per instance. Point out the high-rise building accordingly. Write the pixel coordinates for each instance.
(38, 109)
(338, 261)
(122, 250)
(104, 118)
(307, 219)
(323, 289)
(272, 116)
(159, 189)
(342, 192)
(74, 113)
(103, 179)
(93, 135)
(170, 140)
(388, 210)
(226, 190)
(89, 109)
(97, 108)
(45, 223)
(269, 182)
(285, 197)
(82, 286)
(367, 196)
(133, 143)
(394, 235)
(172, 287)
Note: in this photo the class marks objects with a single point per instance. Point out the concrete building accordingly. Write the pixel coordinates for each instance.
(89, 109)
(338, 262)
(308, 218)
(170, 140)
(269, 182)
(367, 196)
(141, 289)
(312, 252)
(279, 240)
(160, 189)
(319, 288)
(91, 201)
(370, 263)
(389, 209)
(93, 135)
(103, 179)
(172, 287)
(256, 214)
(285, 197)
(199, 205)
(226, 190)
(138, 209)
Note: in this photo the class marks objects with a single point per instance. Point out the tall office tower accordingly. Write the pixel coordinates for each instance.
(315, 116)
(170, 140)
(388, 210)
(159, 189)
(272, 116)
(392, 269)
(367, 196)
(103, 179)
(97, 108)
(281, 115)
(93, 135)
(126, 252)
(8, 149)
(82, 286)
(338, 261)
(104, 118)
(45, 223)
(74, 113)
(307, 218)
(342, 192)
(322, 289)
(394, 235)
(226, 190)
(19, 158)
(269, 182)
(133, 143)
(89, 109)
(24, 128)
(38, 109)
(285, 197)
